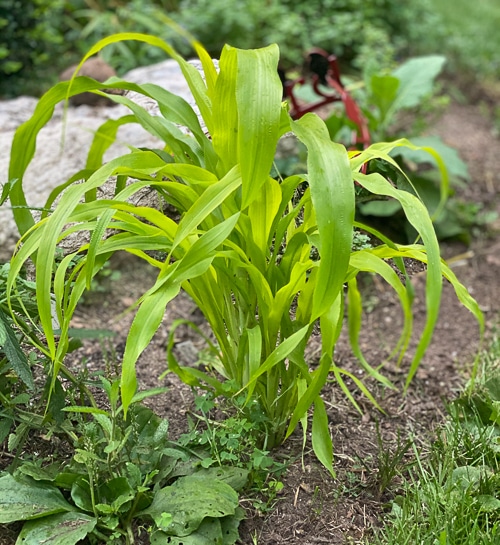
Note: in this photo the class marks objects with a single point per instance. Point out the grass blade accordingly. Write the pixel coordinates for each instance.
(332, 193)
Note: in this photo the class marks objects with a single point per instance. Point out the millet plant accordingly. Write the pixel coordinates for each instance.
(263, 266)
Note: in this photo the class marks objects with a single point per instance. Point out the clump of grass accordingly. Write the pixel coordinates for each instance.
(452, 493)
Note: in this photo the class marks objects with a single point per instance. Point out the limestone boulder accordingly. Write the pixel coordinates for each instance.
(62, 148)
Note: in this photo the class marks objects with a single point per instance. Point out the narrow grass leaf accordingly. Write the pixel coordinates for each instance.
(354, 322)
(332, 193)
(321, 438)
(175, 109)
(277, 356)
(285, 295)
(206, 204)
(24, 141)
(316, 381)
(145, 324)
(225, 113)
(203, 249)
(84, 410)
(184, 147)
(417, 215)
(103, 139)
(258, 118)
(366, 260)
(254, 353)
(263, 213)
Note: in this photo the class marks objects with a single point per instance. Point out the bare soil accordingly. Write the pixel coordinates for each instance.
(313, 507)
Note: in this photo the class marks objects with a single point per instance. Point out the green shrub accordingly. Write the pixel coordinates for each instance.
(465, 32)
(89, 22)
(339, 26)
(30, 42)
(42, 37)
(262, 267)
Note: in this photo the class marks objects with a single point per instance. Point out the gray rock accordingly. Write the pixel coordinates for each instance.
(57, 159)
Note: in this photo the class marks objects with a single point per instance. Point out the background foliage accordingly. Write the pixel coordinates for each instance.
(42, 37)
(32, 35)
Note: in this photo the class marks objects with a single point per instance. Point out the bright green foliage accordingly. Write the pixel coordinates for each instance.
(263, 268)
(383, 97)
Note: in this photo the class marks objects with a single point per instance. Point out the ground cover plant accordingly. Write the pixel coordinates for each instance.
(264, 269)
(121, 471)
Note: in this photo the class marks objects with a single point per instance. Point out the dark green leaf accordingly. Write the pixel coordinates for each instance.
(189, 501)
(60, 529)
(80, 494)
(12, 349)
(208, 533)
(117, 492)
(235, 477)
(26, 499)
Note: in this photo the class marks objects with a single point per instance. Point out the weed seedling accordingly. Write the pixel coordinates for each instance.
(236, 438)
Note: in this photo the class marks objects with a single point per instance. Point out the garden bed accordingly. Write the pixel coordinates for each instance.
(312, 507)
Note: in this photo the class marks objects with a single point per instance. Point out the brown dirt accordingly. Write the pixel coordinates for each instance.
(314, 508)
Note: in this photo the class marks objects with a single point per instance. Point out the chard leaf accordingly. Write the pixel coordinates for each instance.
(416, 78)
